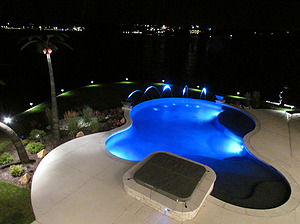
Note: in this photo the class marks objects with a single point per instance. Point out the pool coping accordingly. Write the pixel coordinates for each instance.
(290, 205)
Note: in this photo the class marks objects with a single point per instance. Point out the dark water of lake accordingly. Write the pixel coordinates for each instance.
(247, 62)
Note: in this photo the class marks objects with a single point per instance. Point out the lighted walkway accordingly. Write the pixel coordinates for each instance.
(80, 182)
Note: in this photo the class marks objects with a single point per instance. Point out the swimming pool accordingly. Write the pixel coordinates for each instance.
(178, 125)
(205, 132)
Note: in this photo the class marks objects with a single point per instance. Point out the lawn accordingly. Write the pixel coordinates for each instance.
(15, 205)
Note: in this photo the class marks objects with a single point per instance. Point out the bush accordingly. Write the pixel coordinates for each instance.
(72, 124)
(16, 170)
(87, 114)
(25, 142)
(34, 147)
(6, 158)
(70, 114)
(37, 134)
(94, 127)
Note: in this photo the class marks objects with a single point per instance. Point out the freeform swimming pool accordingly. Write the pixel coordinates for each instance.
(178, 125)
(199, 130)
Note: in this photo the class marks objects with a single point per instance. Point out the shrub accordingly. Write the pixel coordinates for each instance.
(87, 114)
(101, 119)
(16, 170)
(34, 147)
(6, 158)
(116, 113)
(70, 114)
(72, 124)
(94, 127)
(114, 123)
(25, 142)
(37, 134)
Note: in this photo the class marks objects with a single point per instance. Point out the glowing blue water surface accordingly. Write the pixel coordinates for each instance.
(182, 126)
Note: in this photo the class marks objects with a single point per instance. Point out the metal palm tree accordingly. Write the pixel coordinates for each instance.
(17, 143)
(46, 44)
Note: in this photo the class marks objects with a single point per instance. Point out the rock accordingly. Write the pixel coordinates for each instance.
(42, 154)
(123, 120)
(79, 134)
(25, 179)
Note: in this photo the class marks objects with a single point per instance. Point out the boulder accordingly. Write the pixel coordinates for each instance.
(42, 154)
(25, 179)
(123, 120)
(79, 134)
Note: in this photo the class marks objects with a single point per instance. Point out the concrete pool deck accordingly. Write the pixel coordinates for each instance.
(81, 182)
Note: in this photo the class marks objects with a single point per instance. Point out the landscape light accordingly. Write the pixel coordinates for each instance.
(62, 90)
(31, 104)
(7, 120)
(126, 79)
(163, 81)
(238, 93)
(290, 106)
(92, 82)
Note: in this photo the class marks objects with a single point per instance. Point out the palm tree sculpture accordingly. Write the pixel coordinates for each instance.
(17, 143)
(46, 44)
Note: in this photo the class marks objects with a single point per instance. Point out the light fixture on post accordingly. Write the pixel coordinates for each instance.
(7, 120)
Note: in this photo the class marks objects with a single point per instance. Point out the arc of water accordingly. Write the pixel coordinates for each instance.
(167, 87)
(203, 91)
(185, 91)
(133, 92)
(148, 88)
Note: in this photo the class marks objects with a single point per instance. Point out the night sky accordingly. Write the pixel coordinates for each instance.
(247, 14)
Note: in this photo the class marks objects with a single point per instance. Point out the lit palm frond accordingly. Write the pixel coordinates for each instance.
(45, 41)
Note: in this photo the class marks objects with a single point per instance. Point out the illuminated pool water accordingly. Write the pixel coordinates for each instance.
(181, 126)
(205, 132)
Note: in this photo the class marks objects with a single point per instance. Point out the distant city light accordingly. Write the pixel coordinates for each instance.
(7, 120)
(40, 27)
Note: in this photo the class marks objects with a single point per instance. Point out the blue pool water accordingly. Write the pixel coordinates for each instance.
(179, 125)
(208, 133)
